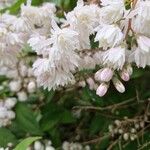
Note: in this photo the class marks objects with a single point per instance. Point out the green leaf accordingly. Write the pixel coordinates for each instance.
(27, 120)
(51, 116)
(6, 137)
(67, 117)
(26, 142)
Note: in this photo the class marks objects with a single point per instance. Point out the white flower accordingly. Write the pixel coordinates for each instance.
(144, 44)
(114, 57)
(109, 36)
(141, 19)
(40, 16)
(83, 19)
(56, 70)
(141, 54)
(112, 11)
(141, 59)
(40, 44)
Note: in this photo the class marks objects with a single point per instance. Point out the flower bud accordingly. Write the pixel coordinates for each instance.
(110, 128)
(117, 122)
(49, 148)
(133, 130)
(11, 114)
(38, 145)
(120, 131)
(30, 72)
(125, 76)
(118, 85)
(23, 70)
(98, 75)
(133, 137)
(15, 86)
(22, 96)
(10, 102)
(137, 126)
(3, 112)
(106, 75)
(125, 136)
(102, 89)
(31, 87)
(82, 84)
(91, 83)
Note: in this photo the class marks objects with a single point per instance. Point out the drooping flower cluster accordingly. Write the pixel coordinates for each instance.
(6, 112)
(109, 35)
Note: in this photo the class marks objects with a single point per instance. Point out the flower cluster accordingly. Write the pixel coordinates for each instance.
(64, 48)
(42, 145)
(6, 112)
(5, 3)
(74, 146)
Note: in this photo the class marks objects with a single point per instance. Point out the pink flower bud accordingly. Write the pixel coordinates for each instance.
(98, 75)
(125, 76)
(82, 84)
(91, 83)
(118, 85)
(102, 89)
(106, 75)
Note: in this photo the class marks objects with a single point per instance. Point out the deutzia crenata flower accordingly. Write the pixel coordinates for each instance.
(114, 57)
(40, 44)
(5, 3)
(112, 10)
(141, 55)
(141, 19)
(56, 70)
(10, 41)
(38, 16)
(108, 36)
(83, 19)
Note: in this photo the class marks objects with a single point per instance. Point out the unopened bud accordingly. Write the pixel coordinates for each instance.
(82, 84)
(11, 114)
(120, 131)
(98, 75)
(125, 76)
(133, 130)
(15, 86)
(22, 96)
(49, 148)
(106, 75)
(137, 126)
(38, 145)
(91, 83)
(102, 89)
(125, 136)
(133, 137)
(142, 124)
(110, 128)
(117, 122)
(118, 85)
(23, 70)
(10, 102)
(31, 87)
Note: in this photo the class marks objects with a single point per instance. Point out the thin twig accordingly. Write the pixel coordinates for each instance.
(114, 106)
